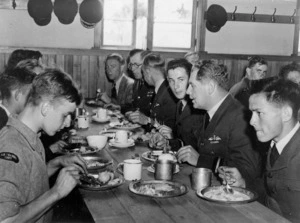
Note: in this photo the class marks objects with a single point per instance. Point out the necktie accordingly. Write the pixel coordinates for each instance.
(274, 155)
(180, 106)
(206, 120)
(114, 92)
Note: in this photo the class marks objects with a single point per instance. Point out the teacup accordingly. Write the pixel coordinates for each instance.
(102, 113)
(132, 169)
(121, 136)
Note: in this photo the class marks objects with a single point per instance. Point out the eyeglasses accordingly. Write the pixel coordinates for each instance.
(133, 66)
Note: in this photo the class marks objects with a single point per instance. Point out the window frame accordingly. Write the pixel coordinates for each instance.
(98, 33)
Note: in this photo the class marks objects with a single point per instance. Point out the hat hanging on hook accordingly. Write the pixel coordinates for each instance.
(216, 17)
(91, 12)
(65, 10)
(40, 11)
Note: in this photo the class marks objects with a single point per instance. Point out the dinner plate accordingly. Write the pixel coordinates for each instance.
(153, 155)
(127, 127)
(239, 196)
(117, 177)
(152, 170)
(95, 162)
(158, 188)
(109, 133)
(100, 120)
(93, 103)
(129, 143)
(80, 149)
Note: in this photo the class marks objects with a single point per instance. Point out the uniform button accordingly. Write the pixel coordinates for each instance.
(270, 175)
(139, 97)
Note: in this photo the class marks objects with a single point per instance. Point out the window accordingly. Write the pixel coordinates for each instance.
(172, 26)
(127, 24)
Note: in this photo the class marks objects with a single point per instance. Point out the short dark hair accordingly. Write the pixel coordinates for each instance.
(280, 92)
(29, 64)
(20, 54)
(54, 84)
(213, 70)
(13, 79)
(154, 60)
(183, 63)
(115, 56)
(256, 59)
(285, 70)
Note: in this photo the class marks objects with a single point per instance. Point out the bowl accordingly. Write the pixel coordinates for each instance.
(97, 141)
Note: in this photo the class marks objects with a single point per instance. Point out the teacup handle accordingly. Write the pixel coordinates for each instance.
(120, 167)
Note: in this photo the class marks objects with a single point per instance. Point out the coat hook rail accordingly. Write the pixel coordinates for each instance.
(262, 18)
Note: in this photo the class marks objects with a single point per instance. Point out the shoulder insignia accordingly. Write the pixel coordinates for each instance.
(9, 157)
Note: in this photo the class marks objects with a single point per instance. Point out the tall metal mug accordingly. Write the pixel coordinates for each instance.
(201, 178)
(164, 169)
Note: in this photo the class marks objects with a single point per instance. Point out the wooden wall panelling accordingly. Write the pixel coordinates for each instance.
(84, 75)
(60, 61)
(77, 70)
(93, 77)
(68, 65)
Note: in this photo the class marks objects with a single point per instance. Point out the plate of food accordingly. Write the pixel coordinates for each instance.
(105, 180)
(158, 188)
(127, 126)
(78, 148)
(94, 162)
(154, 154)
(92, 102)
(219, 195)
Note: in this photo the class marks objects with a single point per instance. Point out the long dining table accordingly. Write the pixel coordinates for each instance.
(121, 205)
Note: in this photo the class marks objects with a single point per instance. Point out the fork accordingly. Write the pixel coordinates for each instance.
(228, 188)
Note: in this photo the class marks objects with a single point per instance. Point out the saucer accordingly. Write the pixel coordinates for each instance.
(129, 143)
(100, 120)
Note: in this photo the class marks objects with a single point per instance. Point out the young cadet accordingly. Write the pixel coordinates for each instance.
(274, 107)
(188, 119)
(24, 175)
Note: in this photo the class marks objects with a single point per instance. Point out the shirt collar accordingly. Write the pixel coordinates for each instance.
(5, 109)
(159, 83)
(284, 141)
(213, 110)
(118, 82)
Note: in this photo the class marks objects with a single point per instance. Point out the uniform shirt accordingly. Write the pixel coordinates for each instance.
(23, 171)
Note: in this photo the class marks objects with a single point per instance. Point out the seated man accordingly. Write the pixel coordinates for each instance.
(256, 69)
(142, 93)
(274, 107)
(24, 175)
(290, 72)
(121, 94)
(225, 134)
(15, 85)
(163, 106)
(188, 119)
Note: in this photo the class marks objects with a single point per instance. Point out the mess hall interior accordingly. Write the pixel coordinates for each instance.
(120, 125)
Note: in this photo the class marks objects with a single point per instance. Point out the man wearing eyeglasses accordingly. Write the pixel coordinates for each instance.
(142, 92)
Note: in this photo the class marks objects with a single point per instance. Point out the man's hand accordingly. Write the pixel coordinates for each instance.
(112, 106)
(188, 154)
(158, 141)
(105, 98)
(137, 117)
(72, 160)
(67, 179)
(57, 146)
(232, 176)
(166, 131)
